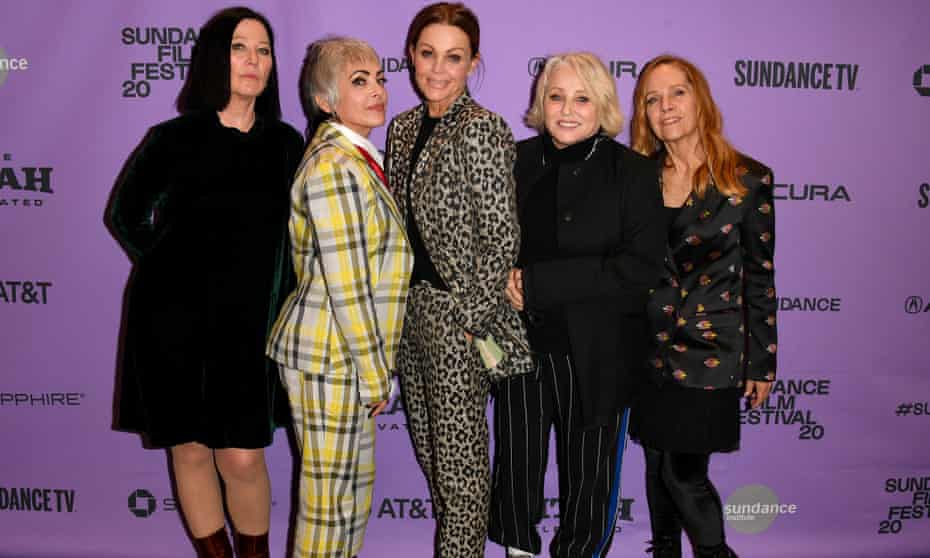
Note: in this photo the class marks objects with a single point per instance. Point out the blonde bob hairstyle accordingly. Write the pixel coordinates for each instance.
(596, 79)
(723, 166)
(322, 67)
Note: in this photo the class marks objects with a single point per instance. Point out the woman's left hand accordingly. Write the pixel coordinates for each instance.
(757, 391)
(376, 408)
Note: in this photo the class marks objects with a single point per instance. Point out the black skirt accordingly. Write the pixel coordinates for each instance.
(686, 420)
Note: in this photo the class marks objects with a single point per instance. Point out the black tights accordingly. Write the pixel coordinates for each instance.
(681, 495)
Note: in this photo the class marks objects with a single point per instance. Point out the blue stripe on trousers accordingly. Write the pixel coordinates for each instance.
(613, 507)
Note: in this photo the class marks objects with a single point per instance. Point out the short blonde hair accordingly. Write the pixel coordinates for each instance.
(596, 79)
(323, 65)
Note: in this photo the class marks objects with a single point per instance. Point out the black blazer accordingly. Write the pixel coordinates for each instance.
(714, 317)
(609, 226)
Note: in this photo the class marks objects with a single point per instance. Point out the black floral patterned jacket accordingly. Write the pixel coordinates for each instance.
(714, 317)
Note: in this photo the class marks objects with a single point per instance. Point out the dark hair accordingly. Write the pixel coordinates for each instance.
(447, 13)
(444, 13)
(207, 83)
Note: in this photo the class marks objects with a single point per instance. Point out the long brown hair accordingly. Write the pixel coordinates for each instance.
(722, 166)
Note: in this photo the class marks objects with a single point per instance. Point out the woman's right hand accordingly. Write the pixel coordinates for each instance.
(514, 289)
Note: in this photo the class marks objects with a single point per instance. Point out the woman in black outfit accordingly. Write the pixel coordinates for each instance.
(591, 248)
(202, 208)
(714, 316)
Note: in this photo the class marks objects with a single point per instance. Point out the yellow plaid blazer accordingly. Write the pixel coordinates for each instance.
(353, 264)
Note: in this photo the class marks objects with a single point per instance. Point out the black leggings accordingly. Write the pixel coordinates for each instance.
(680, 494)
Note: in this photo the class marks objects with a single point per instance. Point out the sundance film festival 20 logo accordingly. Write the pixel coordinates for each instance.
(11, 64)
(914, 505)
(394, 65)
(23, 186)
(795, 75)
(167, 57)
(790, 406)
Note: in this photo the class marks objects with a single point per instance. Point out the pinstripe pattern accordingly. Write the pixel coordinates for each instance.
(353, 267)
(338, 466)
(589, 461)
(337, 335)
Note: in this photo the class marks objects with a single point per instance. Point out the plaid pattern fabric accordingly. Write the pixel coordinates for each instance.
(353, 265)
(337, 447)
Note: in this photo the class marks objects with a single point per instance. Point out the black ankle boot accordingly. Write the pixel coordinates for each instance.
(719, 551)
(214, 546)
(665, 547)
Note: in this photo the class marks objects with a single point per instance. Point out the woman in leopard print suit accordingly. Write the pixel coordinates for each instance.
(450, 162)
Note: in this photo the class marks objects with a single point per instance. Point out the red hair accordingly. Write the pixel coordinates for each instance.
(722, 166)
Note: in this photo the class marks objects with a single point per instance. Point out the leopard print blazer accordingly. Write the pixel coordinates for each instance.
(463, 197)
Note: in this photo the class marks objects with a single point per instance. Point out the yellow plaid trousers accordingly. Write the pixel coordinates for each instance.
(336, 337)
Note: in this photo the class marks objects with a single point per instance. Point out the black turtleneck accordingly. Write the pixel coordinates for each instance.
(423, 268)
(539, 240)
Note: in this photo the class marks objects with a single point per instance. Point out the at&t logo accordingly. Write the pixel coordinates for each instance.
(915, 305)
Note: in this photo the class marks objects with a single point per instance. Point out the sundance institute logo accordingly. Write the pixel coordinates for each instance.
(752, 509)
(8, 64)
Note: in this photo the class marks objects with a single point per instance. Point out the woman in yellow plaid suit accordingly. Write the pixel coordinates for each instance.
(337, 335)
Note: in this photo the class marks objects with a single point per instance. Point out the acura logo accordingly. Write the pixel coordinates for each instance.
(913, 305)
(535, 66)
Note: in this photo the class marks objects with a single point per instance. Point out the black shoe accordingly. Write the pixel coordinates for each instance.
(665, 547)
(719, 551)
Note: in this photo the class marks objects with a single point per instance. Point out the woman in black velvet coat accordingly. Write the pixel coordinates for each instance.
(201, 208)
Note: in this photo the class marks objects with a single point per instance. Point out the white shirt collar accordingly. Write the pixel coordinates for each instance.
(359, 140)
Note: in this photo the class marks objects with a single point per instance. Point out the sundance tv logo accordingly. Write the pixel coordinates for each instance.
(22, 499)
(795, 75)
(11, 64)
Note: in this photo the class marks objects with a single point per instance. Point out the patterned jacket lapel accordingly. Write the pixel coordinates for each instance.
(332, 136)
(419, 182)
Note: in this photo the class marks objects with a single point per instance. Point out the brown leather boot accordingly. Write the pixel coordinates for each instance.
(252, 546)
(214, 546)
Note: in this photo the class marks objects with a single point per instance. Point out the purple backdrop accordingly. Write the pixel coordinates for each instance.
(842, 447)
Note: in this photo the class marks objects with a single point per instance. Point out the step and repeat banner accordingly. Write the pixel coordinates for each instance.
(833, 95)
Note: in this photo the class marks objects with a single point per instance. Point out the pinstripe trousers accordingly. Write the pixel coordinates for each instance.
(337, 444)
(589, 462)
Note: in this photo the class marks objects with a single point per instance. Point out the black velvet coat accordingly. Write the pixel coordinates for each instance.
(202, 211)
(612, 243)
